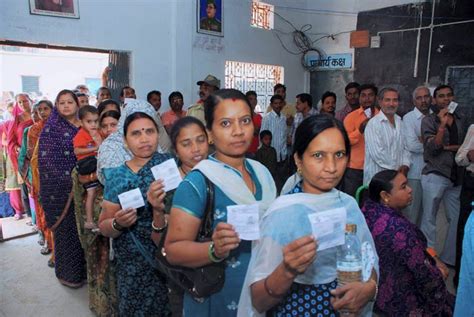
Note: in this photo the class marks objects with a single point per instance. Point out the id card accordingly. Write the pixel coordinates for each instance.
(245, 219)
(452, 107)
(167, 171)
(329, 227)
(131, 199)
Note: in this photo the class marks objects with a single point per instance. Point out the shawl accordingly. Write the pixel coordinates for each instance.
(56, 160)
(112, 152)
(234, 186)
(15, 130)
(287, 220)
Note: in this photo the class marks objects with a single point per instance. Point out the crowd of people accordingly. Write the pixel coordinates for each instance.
(68, 164)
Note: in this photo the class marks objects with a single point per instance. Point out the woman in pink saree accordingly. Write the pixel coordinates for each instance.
(14, 133)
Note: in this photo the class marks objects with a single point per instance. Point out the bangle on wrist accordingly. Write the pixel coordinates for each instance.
(116, 226)
(211, 252)
(376, 290)
(269, 291)
(160, 229)
(431, 252)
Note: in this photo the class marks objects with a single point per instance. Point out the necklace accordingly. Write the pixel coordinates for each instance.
(183, 171)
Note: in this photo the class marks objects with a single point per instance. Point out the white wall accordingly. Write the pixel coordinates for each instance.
(49, 66)
(141, 27)
(168, 54)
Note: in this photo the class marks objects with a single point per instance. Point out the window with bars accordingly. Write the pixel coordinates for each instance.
(262, 15)
(258, 77)
(30, 84)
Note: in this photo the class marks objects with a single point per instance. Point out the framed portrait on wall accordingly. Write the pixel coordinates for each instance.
(58, 8)
(210, 17)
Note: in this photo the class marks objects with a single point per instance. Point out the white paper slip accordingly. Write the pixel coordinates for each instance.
(368, 112)
(245, 219)
(452, 107)
(329, 227)
(131, 199)
(167, 171)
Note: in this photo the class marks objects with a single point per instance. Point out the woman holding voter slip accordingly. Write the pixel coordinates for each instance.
(240, 185)
(294, 265)
(133, 207)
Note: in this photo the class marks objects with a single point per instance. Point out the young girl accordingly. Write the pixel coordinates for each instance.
(108, 123)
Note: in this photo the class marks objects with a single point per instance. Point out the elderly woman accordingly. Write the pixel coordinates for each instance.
(411, 280)
(288, 275)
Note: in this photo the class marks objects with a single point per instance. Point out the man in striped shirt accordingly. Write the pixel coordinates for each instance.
(384, 143)
(275, 122)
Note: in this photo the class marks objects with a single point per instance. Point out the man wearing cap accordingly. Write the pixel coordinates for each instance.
(211, 23)
(206, 87)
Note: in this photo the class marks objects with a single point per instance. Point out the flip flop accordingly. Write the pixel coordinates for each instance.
(45, 250)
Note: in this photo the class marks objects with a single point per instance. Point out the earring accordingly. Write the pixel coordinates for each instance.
(298, 170)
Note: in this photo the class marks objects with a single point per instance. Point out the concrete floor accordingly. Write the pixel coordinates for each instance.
(28, 287)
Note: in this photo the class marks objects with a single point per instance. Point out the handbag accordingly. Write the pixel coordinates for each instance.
(200, 282)
(87, 165)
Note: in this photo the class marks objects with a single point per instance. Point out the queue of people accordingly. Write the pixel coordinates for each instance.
(76, 161)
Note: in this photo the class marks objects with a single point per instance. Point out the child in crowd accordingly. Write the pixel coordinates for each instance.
(266, 154)
(86, 143)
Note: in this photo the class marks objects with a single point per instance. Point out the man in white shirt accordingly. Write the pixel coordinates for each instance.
(275, 122)
(384, 145)
(414, 144)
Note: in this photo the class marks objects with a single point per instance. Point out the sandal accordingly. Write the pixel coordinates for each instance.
(51, 263)
(29, 223)
(41, 240)
(45, 250)
(18, 217)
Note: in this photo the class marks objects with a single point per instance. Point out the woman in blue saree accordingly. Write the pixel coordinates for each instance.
(141, 292)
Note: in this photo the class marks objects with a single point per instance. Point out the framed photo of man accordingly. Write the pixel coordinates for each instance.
(210, 17)
(58, 8)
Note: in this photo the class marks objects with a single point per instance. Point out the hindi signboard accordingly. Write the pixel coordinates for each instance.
(330, 62)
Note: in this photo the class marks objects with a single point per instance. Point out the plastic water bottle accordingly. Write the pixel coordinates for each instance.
(349, 258)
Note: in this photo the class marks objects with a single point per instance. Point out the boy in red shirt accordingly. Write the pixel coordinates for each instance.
(86, 143)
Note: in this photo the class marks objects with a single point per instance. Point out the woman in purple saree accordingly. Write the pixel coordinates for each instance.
(56, 160)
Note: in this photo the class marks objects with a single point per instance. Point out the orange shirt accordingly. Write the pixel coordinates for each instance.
(170, 117)
(83, 140)
(352, 123)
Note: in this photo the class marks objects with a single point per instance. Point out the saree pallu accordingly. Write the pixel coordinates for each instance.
(100, 270)
(56, 160)
(35, 182)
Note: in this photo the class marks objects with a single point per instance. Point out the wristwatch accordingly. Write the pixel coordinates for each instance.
(116, 226)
